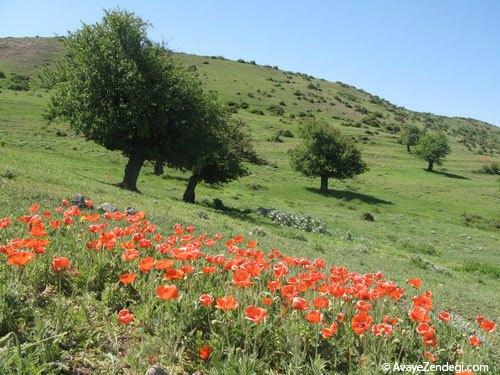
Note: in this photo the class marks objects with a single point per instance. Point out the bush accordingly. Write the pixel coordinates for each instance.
(493, 168)
(298, 221)
(285, 133)
(2, 75)
(18, 82)
(276, 110)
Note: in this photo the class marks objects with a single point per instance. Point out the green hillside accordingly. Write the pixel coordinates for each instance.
(440, 226)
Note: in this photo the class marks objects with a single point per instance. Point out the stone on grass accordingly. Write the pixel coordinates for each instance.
(107, 207)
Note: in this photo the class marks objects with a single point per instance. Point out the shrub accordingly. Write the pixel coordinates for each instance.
(18, 82)
(276, 110)
(2, 75)
(285, 133)
(299, 221)
(493, 168)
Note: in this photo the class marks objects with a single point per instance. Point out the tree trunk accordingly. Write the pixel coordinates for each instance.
(408, 148)
(132, 169)
(429, 167)
(189, 195)
(324, 184)
(158, 169)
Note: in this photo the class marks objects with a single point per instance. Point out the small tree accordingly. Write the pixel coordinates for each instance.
(433, 148)
(324, 152)
(116, 87)
(411, 135)
(211, 146)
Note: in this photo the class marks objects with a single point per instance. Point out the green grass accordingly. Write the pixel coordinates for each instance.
(411, 206)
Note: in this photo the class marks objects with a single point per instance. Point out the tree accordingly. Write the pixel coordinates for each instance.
(116, 87)
(433, 148)
(411, 135)
(324, 152)
(211, 146)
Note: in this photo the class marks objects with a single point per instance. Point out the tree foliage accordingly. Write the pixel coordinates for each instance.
(211, 146)
(118, 88)
(433, 148)
(411, 135)
(324, 152)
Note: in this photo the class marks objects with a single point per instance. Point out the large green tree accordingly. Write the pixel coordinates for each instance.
(324, 152)
(112, 84)
(212, 146)
(410, 136)
(433, 148)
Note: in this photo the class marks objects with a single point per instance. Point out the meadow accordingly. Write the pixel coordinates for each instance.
(441, 227)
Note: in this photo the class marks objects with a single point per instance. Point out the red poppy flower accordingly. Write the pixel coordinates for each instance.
(267, 301)
(382, 329)
(125, 317)
(321, 302)
(488, 325)
(299, 303)
(255, 314)
(226, 303)
(167, 292)
(314, 316)
(20, 258)
(206, 299)
(474, 341)
(444, 316)
(361, 322)
(5, 222)
(128, 278)
(415, 282)
(146, 264)
(60, 264)
(329, 331)
(205, 352)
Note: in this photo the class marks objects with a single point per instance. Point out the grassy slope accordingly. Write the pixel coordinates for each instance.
(416, 212)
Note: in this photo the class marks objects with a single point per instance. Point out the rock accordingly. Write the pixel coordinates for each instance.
(130, 211)
(79, 200)
(107, 207)
(368, 216)
(156, 370)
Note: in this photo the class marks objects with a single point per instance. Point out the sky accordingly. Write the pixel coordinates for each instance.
(441, 56)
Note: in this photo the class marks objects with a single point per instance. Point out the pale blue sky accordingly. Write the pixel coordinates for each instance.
(435, 56)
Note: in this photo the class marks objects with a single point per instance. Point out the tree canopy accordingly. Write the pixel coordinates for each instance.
(433, 148)
(324, 152)
(211, 146)
(410, 136)
(112, 84)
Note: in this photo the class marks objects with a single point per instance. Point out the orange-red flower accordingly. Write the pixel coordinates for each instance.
(5, 222)
(267, 300)
(444, 316)
(474, 341)
(299, 303)
(415, 282)
(20, 258)
(314, 316)
(361, 322)
(60, 264)
(255, 314)
(167, 292)
(321, 302)
(146, 264)
(125, 317)
(488, 325)
(382, 329)
(226, 303)
(205, 352)
(329, 331)
(128, 278)
(206, 299)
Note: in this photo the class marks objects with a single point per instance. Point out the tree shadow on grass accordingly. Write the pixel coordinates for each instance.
(350, 195)
(174, 178)
(449, 175)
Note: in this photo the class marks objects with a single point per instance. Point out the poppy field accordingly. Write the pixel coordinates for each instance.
(84, 290)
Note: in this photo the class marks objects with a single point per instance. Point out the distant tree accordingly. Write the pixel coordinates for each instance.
(212, 147)
(433, 148)
(410, 136)
(324, 152)
(117, 88)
